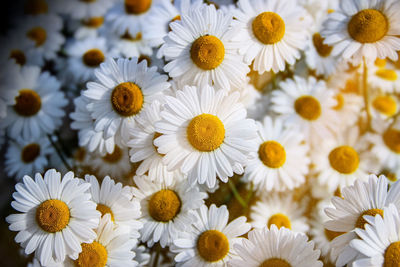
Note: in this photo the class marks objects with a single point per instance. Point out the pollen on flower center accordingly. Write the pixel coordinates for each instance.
(268, 27)
(207, 52)
(104, 210)
(360, 223)
(330, 235)
(391, 138)
(212, 245)
(52, 215)
(27, 103)
(368, 26)
(280, 220)
(93, 254)
(137, 6)
(206, 132)
(164, 205)
(392, 255)
(344, 159)
(93, 58)
(35, 7)
(38, 35)
(322, 49)
(275, 262)
(385, 104)
(387, 74)
(30, 153)
(308, 107)
(115, 156)
(272, 154)
(93, 22)
(127, 99)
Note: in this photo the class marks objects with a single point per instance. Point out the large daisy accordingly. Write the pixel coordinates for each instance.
(56, 216)
(205, 134)
(201, 50)
(273, 32)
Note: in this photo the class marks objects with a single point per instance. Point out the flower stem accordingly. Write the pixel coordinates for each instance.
(236, 194)
(59, 153)
(366, 95)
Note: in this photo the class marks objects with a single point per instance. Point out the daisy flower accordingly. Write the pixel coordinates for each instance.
(276, 247)
(307, 104)
(26, 157)
(124, 88)
(384, 79)
(384, 105)
(166, 209)
(131, 46)
(211, 239)
(116, 164)
(15, 49)
(273, 32)
(201, 50)
(82, 9)
(56, 216)
(367, 29)
(281, 162)
(279, 210)
(9, 76)
(38, 107)
(205, 134)
(362, 198)
(88, 28)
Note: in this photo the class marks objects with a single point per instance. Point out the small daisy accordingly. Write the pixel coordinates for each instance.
(38, 108)
(367, 29)
(205, 134)
(384, 105)
(116, 164)
(281, 162)
(280, 210)
(15, 48)
(166, 209)
(88, 28)
(201, 50)
(211, 239)
(129, 46)
(40, 7)
(274, 32)
(363, 198)
(276, 248)
(56, 215)
(26, 157)
(384, 79)
(82, 9)
(308, 104)
(123, 90)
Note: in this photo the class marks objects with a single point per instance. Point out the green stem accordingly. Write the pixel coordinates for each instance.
(64, 161)
(366, 95)
(236, 194)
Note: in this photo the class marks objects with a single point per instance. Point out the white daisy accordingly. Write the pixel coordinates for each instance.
(384, 79)
(56, 215)
(26, 157)
(123, 90)
(364, 198)
(38, 108)
(88, 28)
(276, 247)
(9, 76)
(281, 161)
(142, 256)
(131, 46)
(115, 164)
(383, 105)
(82, 9)
(166, 209)
(15, 48)
(273, 32)
(280, 210)
(205, 134)
(39, 7)
(366, 29)
(308, 104)
(201, 50)
(211, 239)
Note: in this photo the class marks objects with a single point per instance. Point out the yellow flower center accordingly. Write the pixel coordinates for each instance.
(155, 136)
(104, 210)
(93, 255)
(30, 153)
(164, 205)
(330, 235)
(27, 103)
(351, 86)
(80, 154)
(275, 262)
(308, 107)
(35, 7)
(115, 156)
(52, 215)
(18, 56)
(144, 57)
(127, 99)
(272, 154)
(391, 138)
(268, 27)
(177, 17)
(368, 26)
(360, 223)
(136, 7)
(212, 245)
(387, 74)
(93, 58)
(280, 220)
(207, 52)
(385, 104)
(206, 132)
(38, 35)
(392, 255)
(381, 63)
(322, 49)
(340, 102)
(129, 37)
(344, 159)
(389, 175)
(93, 22)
